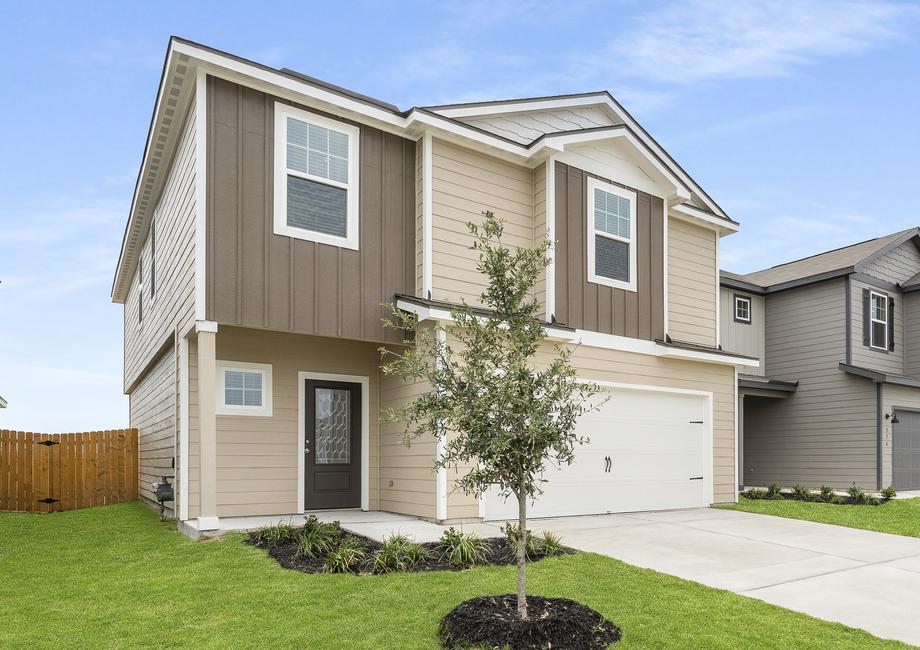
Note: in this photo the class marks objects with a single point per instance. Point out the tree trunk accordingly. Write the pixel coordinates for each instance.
(522, 555)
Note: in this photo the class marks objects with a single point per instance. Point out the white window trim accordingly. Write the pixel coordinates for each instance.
(748, 301)
(282, 112)
(594, 184)
(873, 319)
(265, 369)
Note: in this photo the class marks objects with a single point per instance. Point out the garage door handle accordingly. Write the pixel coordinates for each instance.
(696, 422)
(696, 478)
(608, 464)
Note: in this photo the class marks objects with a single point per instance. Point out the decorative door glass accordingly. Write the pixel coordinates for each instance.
(333, 426)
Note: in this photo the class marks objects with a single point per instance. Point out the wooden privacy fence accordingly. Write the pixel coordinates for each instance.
(42, 472)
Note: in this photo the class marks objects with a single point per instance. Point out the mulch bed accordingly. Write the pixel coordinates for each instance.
(500, 553)
(492, 622)
(841, 500)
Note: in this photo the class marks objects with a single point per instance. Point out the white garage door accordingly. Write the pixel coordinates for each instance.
(648, 450)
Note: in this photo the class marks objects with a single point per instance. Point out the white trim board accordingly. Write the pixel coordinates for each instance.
(183, 429)
(427, 217)
(599, 340)
(365, 382)
(201, 194)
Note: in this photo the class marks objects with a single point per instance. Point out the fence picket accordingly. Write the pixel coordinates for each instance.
(80, 470)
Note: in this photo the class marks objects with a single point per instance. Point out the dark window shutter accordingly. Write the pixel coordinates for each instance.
(891, 323)
(866, 314)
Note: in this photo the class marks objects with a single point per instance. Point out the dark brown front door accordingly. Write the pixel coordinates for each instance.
(333, 445)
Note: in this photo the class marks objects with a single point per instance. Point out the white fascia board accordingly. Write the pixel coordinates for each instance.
(597, 339)
(695, 215)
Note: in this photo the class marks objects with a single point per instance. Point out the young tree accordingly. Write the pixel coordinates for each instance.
(490, 403)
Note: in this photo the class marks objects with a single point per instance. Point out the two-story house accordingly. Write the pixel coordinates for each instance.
(837, 398)
(274, 213)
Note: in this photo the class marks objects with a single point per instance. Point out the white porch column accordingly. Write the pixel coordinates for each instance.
(207, 406)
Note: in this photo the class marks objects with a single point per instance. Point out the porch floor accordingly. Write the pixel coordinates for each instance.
(373, 524)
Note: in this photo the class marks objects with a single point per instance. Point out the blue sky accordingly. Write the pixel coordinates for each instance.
(799, 118)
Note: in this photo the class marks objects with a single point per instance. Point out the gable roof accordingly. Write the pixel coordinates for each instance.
(186, 60)
(832, 263)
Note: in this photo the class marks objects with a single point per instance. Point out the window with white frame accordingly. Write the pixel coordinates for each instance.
(742, 309)
(316, 178)
(611, 254)
(140, 288)
(878, 317)
(244, 388)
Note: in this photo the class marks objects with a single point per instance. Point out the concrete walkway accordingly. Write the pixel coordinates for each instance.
(860, 578)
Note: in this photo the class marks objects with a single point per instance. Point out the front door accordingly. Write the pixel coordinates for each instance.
(332, 453)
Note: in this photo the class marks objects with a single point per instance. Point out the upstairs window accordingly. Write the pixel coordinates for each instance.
(879, 319)
(140, 288)
(316, 178)
(742, 309)
(244, 388)
(611, 254)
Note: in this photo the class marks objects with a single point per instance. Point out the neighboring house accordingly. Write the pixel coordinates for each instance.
(837, 399)
(2, 403)
(274, 213)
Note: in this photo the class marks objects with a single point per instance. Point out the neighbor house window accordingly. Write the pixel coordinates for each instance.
(140, 288)
(244, 388)
(611, 215)
(879, 315)
(742, 309)
(316, 178)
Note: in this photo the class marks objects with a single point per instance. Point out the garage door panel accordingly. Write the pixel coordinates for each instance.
(655, 442)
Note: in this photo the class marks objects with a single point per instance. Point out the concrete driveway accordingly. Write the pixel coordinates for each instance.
(860, 578)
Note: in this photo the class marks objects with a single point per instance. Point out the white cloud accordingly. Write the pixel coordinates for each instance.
(688, 42)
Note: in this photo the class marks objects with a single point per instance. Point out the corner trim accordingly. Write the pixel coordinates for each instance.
(201, 194)
(550, 211)
(427, 218)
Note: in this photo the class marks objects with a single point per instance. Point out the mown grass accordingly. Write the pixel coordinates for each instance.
(898, 517)
(117, 577)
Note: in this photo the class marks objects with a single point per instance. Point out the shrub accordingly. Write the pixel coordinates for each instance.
(801, 492)
(347, 557)
(827, 494)
(547, 544)
(462, 549)
(283, 531)
(317, 538)
(889, 493)
(857, 494)
(397, 553)
(754, 494)
(774, 492)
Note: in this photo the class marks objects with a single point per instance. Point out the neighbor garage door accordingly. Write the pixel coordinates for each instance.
(905, 450)
(648, 450)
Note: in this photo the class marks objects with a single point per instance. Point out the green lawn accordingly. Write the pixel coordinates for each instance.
(899, 517)
(117, 577)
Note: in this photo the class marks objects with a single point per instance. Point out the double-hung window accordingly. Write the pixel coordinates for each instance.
(244, 388)
(742, 309)
(316, 178)
(611, 254)
(879, 315)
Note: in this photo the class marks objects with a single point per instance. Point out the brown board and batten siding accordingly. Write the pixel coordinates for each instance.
(256, 278)
(586, 305)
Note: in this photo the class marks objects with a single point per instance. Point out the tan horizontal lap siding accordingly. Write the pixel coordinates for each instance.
(173, 306)
(691, 283)
(408, 482)
(540, 231)
(257, 463)
(465, 184)
(153, 413)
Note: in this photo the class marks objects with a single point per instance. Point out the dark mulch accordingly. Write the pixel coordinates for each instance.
(841, 500)
(499, 553)
(492, 622)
